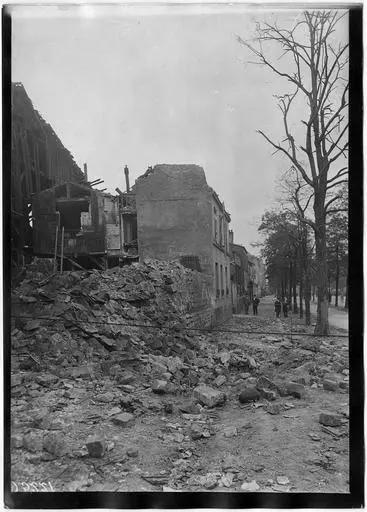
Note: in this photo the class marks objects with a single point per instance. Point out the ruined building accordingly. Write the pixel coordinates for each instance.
(179, 217)
(38, 161)
(83, 225)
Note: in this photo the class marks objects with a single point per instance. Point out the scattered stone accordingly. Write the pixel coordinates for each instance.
(16, 441)
(32, 325)
(249, 395)
(127, 388)
(226, 480)
(190, 408)
(268, 394)
(220, 380)
(105, 397)
(33, 442)
(250, 486)
(251, 362)
(81, 371)
(160, 387)
(55, 443)
(196, 432)
(168, 408)
(344, 386)
(209, 396)
(330, 419)
(282, 480)
(209, 481)
(265, 383)
(16, 380)
(132, 452)
(280, 488)
(46, 379)
(124, 419)
(230, 432)
(29, 363)
(295, 389)
(273, 408)
(96, 446)
(330, 385)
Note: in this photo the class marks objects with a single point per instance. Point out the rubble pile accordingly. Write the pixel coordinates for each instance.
(110, 390)
(126, 323)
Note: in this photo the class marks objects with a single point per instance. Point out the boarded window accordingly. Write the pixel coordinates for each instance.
(191, 262)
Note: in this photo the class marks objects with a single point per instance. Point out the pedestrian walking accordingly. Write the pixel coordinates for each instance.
(255, 303)
(246, 304)
(285, 307)
(277, 307)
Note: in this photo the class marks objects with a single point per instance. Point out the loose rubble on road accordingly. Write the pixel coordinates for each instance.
(110, 391)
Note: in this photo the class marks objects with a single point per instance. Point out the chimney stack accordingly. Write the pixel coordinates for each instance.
(85, 172)
(126, 171)
(231, 236)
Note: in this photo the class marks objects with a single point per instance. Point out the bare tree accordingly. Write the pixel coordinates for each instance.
(318, 66)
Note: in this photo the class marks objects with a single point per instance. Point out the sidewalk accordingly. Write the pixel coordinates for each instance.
(337, 317)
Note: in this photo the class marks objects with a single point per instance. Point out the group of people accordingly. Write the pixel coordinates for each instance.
(255, 302)
(279, 305)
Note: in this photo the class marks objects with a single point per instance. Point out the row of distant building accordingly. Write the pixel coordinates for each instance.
(170, 213)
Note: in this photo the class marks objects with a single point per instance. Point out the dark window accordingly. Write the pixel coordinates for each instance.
(191, 262)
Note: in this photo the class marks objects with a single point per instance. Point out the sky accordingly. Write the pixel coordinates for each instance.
(160, 84)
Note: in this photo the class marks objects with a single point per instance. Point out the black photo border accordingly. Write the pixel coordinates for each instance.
(163, 500)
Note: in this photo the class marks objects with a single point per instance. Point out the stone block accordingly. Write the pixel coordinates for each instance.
(160, 387)
(249, 395)
(330, 419)
(123, 420)
(33, 441)
(96, 445)
(209, 396)
(330, 385)
(295, 389)
(220, 380)
(55, 443)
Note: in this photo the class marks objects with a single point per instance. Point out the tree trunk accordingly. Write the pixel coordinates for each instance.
(322, 322)
(313, 293)
(346, 305)
(307, 298)
(337, 276)
(290, 282)
(295, 307)
(329, 290)
(301, 296)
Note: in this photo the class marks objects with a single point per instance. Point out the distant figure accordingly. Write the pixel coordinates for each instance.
(285, 307)
(255, 303)
(277, 306)
(246, 304)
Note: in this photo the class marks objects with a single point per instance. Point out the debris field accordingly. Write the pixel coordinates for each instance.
(112, 391)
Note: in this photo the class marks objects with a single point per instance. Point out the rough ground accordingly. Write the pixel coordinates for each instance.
(61, 397)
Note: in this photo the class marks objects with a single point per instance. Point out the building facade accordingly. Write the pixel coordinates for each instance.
(179, 217)
(240, 277)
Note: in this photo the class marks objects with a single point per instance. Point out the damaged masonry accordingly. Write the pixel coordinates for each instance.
(138, 362)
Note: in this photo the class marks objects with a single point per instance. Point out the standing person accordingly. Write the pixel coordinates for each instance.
(277, 306)
(246, 304)
(285, 307)
(255, 303)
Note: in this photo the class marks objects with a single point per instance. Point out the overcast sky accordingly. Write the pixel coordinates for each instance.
(141, 86)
